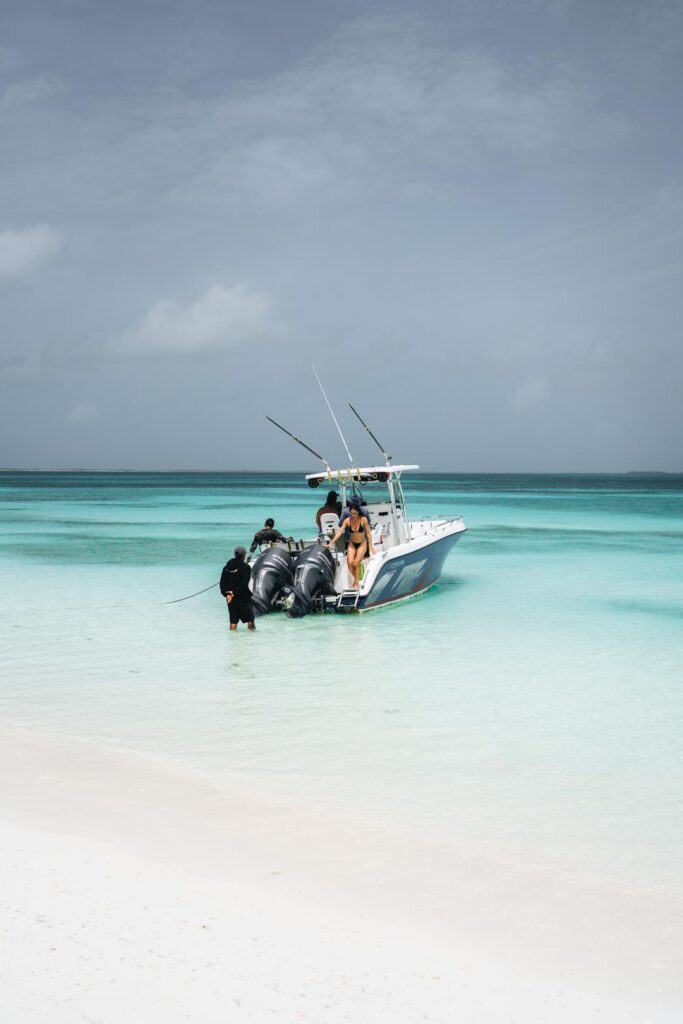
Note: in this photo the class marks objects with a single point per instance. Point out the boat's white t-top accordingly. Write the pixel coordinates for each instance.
(358, 473)
(388, 511)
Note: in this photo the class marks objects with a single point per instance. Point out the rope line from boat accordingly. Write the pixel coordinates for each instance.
(179, 599)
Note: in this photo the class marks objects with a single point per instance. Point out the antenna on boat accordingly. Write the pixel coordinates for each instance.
(298, 441)
(387, 458)
(351, 462)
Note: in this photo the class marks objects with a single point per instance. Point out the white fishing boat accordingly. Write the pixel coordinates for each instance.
(305, 576)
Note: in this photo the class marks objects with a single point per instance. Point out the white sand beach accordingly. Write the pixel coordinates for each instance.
(130, 890)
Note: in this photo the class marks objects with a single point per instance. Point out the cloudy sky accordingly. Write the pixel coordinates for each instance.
(468, 215)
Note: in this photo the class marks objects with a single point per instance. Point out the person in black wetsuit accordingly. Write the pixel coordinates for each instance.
(235, 589)
(267, 535)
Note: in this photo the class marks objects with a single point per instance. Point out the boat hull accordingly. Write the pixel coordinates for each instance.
(407, 574)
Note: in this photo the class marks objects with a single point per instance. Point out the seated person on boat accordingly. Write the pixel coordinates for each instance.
(332, 506)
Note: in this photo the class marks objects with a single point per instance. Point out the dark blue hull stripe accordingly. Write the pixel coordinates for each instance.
(408, 575)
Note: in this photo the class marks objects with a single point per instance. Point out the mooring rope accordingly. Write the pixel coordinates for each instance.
(179, 599)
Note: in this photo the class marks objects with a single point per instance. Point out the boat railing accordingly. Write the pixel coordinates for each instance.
(440, 520)
(435, 525)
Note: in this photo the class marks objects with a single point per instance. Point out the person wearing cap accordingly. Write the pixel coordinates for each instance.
(234, 586)
(332, 505)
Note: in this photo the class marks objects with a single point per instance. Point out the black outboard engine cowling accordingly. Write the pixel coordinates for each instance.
(313, 577)
(271, 572)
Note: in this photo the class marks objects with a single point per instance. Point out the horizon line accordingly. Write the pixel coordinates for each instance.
(296, 472)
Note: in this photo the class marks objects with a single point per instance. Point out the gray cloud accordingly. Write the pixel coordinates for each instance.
(23, 250)
(382, 104)
(84, 412)
(21, 94)
(220, 318)
(468, 216)
(530, 394)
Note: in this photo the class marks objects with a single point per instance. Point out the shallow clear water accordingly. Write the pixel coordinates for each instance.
(532, 703)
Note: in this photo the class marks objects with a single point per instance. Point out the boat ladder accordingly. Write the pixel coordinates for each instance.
(348, 599)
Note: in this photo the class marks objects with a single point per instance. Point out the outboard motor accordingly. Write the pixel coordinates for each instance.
(271, 572)
(313, 577)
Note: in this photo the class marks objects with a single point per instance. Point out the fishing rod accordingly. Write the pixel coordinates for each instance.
(387, 458)
(298, 441)
(351, 462)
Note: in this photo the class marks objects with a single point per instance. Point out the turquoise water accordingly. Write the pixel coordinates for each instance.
(531, 704)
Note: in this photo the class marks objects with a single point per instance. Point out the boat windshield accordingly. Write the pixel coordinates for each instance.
(371, 493)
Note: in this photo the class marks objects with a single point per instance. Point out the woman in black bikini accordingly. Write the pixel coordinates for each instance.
(359, 541)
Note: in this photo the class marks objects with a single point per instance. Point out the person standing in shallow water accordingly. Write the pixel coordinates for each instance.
(234, 586)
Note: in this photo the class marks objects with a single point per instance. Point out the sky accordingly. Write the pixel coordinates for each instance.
(467, 215)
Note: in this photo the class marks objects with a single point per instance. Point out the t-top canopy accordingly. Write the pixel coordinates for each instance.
(359, 474)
